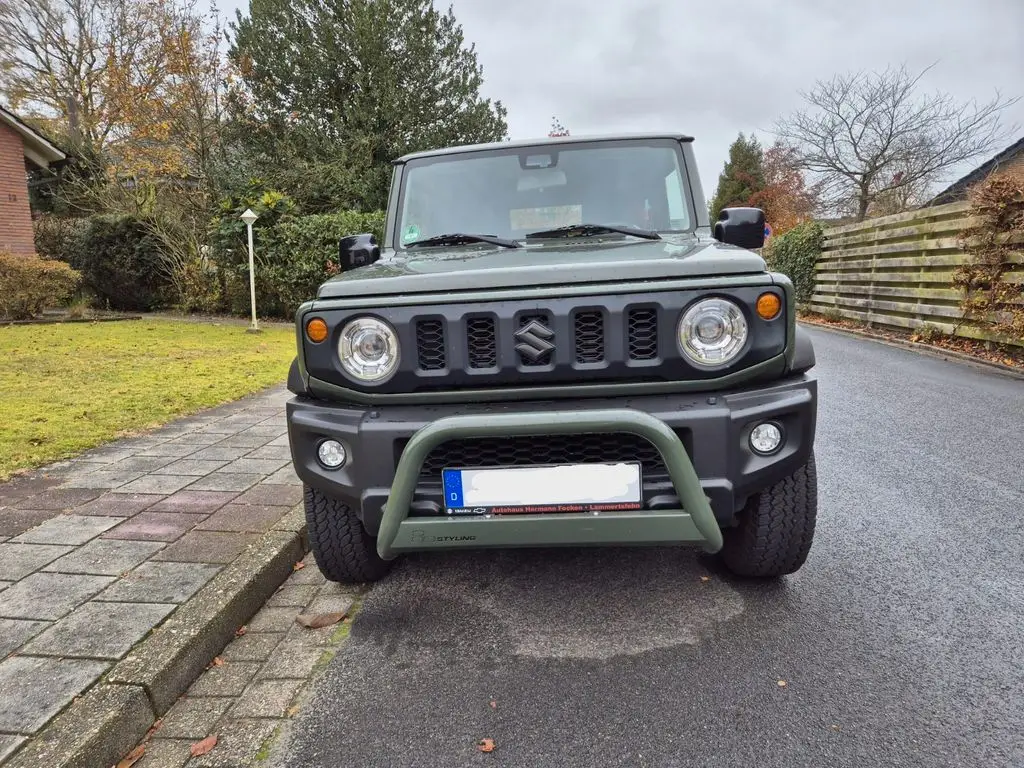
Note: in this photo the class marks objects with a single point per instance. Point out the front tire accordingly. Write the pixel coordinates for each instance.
(344, 551)
(775, 528)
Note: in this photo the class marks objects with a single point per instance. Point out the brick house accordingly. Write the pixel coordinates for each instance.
(21, 149)
(1009, 161)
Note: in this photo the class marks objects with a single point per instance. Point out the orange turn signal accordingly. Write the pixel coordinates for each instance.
(769, 305)
(316, 330)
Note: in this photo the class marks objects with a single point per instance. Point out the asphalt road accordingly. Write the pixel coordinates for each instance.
(901, 641)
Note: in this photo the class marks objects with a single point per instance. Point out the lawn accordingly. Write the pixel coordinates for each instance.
(68, 387)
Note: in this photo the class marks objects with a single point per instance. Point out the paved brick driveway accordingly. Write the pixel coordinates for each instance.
(95, 552)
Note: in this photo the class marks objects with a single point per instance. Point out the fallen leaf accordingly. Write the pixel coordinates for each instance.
(485, 745)
(132, 757)
(292, 711)
(218, 661)
(240, 631)
(203, 747)
(782, 683)
(298, 566)
(318, 620)
(494, 705)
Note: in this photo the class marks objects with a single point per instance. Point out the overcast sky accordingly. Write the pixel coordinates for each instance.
(713, 69)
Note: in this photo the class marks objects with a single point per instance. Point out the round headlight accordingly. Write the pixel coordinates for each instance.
(368, 349)
(712, 332)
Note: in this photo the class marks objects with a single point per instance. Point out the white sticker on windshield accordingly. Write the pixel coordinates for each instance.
(546, 218)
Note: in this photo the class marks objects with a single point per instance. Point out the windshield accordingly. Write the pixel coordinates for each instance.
(512, 193)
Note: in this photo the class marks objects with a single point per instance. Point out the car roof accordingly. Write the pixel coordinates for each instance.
(540, 142)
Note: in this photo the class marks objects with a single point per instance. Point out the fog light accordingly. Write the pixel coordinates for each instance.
(765, 438)
(331, 454)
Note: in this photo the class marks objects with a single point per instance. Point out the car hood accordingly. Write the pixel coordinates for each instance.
(475, 268)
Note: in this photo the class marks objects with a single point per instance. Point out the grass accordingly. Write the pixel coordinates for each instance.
(65, 388)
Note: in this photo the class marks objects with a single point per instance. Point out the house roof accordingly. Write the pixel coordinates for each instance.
(958, 189)
(38, 148)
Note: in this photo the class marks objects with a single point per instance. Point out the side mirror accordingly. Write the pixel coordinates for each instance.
(357, 251)
(741, 226)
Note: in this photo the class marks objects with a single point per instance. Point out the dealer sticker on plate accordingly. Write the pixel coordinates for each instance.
(535, 490)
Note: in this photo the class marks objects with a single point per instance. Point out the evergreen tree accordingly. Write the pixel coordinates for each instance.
(741, 179)
(332, 90)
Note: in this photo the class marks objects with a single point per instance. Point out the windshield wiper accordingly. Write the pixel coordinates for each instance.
(461, 238)
(585, 230)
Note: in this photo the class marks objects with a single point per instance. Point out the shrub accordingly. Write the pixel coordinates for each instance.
(794, 254)
(58, 237)
(120, 261)
(29, 284)
(229, 244)
(997, 205)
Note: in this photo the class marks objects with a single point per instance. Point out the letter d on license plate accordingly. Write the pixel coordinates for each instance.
(534, 490)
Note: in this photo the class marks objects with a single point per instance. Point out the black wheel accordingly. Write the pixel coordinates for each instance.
(775, 527)
(343, 549)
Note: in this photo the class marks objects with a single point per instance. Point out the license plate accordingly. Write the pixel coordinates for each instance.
(535, 490)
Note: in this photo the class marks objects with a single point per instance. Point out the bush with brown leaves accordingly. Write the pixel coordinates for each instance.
(29, 284)
(997, 205)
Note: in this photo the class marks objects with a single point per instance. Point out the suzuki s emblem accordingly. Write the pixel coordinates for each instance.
(534, 340)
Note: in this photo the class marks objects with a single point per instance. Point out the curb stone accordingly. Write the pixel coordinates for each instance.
(104, 724)
(939, 352)
(96, 730)
(59, 320)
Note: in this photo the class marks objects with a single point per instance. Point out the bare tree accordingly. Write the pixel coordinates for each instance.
(136, 79)
(63, 58)
(866, 135)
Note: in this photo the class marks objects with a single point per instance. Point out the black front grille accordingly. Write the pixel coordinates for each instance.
(642, 331)
(430, 347)
(587, 341)
(602, 447)
(481, 342)
(588, 333)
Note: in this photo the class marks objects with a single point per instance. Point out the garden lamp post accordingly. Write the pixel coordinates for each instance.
(249, 217)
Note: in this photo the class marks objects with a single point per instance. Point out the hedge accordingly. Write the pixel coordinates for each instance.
(293, 256)
(29, 284)
(794, 254)
(123, 264)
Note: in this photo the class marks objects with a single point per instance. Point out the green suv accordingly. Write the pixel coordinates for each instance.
(553, 347)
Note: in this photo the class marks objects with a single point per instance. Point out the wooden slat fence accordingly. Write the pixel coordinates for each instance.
(898, 271)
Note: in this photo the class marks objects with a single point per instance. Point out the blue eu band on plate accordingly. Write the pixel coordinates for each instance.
(542, 489)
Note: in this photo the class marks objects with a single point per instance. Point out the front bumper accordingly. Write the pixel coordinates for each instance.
(701, 439)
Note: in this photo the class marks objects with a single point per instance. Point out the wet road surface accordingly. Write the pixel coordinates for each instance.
(900, 642)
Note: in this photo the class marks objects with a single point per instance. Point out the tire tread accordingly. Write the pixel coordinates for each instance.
(344, 551)
(776, 527)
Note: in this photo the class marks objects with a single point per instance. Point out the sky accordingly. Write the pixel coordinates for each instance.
(712, 70)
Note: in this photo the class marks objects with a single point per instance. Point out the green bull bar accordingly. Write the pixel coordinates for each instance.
(695, 522)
